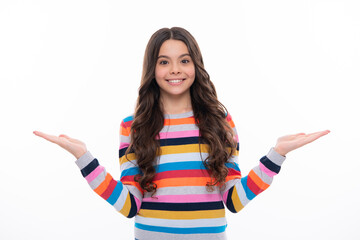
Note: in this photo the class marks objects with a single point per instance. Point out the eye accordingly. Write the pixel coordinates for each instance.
(163, 62)
(185, 61)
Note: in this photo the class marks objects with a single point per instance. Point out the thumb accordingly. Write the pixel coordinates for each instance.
(73, 140)
(65, 136)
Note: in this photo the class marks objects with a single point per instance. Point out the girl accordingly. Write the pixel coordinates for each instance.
(178, 151)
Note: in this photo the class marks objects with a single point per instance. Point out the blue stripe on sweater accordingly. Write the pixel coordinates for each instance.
(129, 118)
(167, 167)
(115, 194)
(189, 165)
(218, 229)
(232, 165)
(249, 194)
(130, 171)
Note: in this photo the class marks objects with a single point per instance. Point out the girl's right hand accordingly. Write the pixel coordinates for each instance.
(73, 146)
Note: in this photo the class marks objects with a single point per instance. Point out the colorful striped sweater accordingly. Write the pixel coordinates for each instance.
(182, 208)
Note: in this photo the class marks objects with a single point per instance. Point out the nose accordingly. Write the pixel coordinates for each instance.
(175, 69)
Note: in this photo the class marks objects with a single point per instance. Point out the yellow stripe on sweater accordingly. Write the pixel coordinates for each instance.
(219, 213)
(127, 206)
(186, 148)
(175, 149)
(236, 200)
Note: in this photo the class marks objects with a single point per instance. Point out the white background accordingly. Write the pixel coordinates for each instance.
(280, 67)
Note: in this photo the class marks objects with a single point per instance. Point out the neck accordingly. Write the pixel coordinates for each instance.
(176, 104)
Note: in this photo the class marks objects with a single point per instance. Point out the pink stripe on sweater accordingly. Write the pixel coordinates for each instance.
(225, 195)
(138, 203)
(267, 171)
(191, 133)
(236, 137)
(185, 198)
(124, 145)
(94, 174)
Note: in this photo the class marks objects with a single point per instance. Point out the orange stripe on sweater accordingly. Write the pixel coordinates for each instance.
(232, 124)
(104, 185)
(257, 180)
(193, 181)
(230, 121)
(179, 121)
(125, 132)
(179, 182)
(228, 178)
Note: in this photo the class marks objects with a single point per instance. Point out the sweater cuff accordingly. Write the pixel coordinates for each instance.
(84, 160)
(275, 157)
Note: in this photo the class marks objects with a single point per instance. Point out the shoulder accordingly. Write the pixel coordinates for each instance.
(126, 124)
(128, 120)
(229, 119)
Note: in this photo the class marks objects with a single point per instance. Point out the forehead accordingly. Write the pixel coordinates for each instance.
(173, 48)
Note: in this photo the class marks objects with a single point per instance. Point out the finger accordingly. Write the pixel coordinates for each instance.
(298, 135)
(65, 136)
(294, 136)
(51, 138)
(313, 136)
(318, 134)
(73, 140)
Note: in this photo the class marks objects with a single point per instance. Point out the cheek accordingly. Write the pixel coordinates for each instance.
(191, 72)
(159, 73)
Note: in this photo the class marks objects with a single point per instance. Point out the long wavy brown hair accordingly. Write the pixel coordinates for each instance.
(209, 114)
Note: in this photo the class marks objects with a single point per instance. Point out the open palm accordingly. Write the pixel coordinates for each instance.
(288, 143)
(74, 146)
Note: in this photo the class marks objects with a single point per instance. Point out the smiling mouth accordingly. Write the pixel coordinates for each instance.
(175, 80)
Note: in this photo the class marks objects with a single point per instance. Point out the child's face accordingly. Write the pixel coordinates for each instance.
(175, 70)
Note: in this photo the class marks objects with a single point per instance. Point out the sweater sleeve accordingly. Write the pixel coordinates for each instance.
(124, 195)
(239, 190)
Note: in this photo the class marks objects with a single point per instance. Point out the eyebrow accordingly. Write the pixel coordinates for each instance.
(182, 55)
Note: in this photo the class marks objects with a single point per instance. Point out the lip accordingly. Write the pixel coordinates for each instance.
(171, 79)
(175, 83)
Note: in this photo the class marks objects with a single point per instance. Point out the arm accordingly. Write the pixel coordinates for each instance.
(239, 190)
(125, 195)
(113, 191)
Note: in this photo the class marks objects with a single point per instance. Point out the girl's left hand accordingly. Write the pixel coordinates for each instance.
(288, 143)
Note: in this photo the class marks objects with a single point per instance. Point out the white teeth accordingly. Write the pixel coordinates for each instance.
(175, 81)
